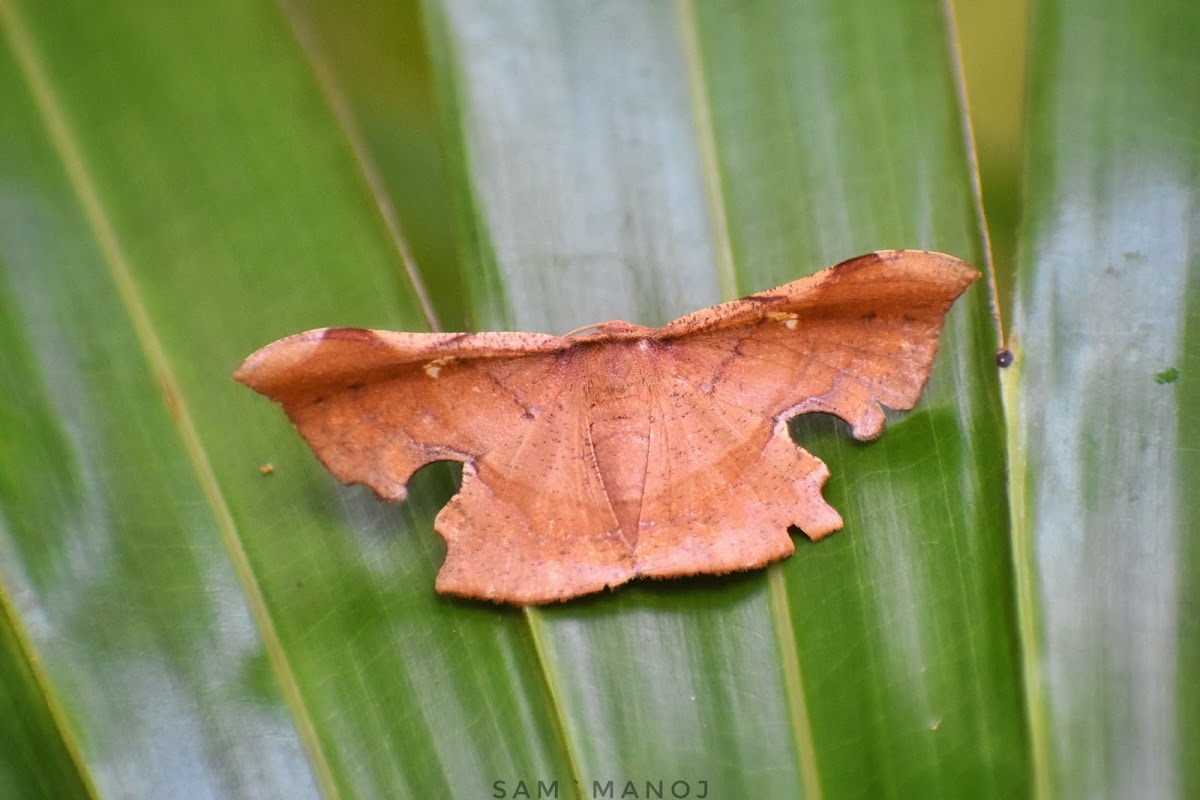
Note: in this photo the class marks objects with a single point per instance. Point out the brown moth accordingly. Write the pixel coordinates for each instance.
(626, 452)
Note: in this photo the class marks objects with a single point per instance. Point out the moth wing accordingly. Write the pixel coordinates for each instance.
(843, 341)
(532, 522)
(375, 406)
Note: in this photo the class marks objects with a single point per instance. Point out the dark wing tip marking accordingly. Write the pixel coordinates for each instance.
(351, 334)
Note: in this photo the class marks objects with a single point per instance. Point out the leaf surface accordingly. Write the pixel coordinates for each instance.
(1104, 402)
(181, 185)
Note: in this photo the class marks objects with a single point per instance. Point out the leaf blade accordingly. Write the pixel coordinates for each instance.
(1105, 260)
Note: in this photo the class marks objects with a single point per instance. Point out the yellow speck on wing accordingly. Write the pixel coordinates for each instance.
(434, 367)
(788, 318)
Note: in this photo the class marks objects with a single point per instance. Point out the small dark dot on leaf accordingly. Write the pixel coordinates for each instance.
(1004, 358)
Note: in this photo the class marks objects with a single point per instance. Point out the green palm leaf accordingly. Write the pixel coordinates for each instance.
(1103, 399)
(179, 186)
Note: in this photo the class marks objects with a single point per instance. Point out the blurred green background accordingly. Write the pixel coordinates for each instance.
(1010, 610)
